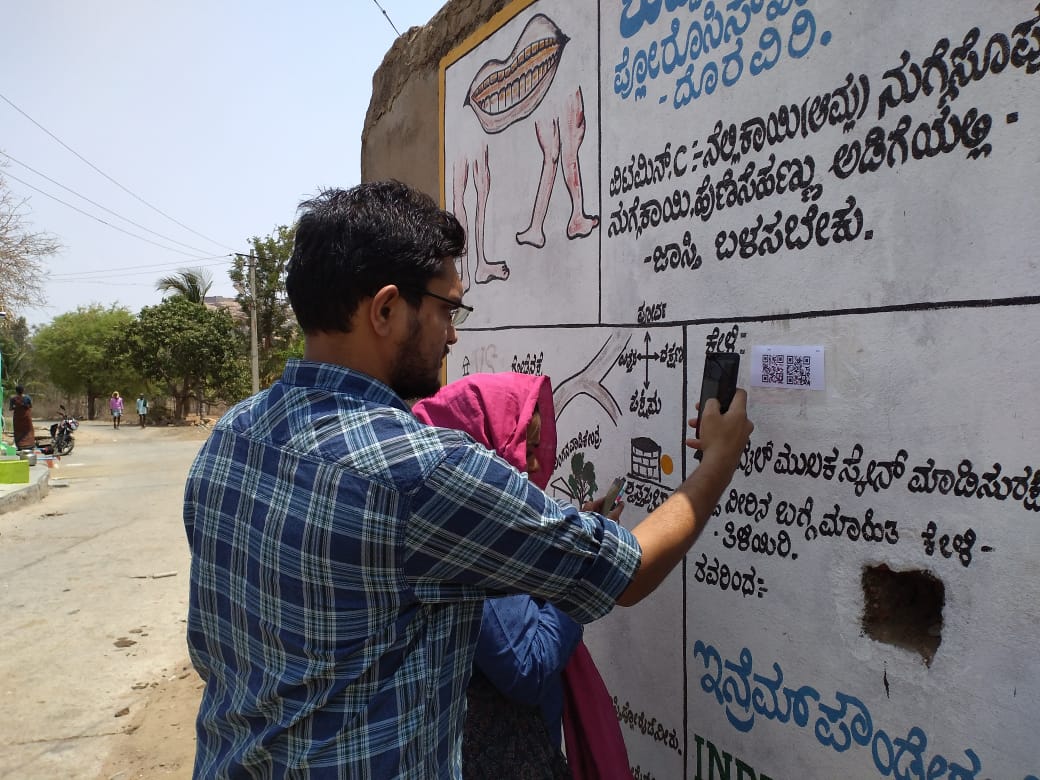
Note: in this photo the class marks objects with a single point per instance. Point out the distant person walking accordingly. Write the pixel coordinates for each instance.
(115, 405)
(21, 407)
(142, 409)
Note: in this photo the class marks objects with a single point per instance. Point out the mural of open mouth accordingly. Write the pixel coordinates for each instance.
(506, 91)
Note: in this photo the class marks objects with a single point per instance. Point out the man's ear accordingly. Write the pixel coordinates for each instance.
(385, 307)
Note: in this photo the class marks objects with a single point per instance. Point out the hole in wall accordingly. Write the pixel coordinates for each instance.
(904, 608)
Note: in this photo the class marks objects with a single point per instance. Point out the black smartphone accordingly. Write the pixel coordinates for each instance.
(719, 381)
(613, 494)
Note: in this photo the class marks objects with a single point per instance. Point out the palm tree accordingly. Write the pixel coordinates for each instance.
(192, 284)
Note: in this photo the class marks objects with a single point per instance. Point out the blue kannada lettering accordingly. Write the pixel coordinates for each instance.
(745, 694)
(714, 43)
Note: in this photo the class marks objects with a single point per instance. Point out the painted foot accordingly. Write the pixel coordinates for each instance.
(532, 236)
(581, 225)
(489, 272)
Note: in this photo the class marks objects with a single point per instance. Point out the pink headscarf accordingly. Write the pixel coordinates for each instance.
(495, 409)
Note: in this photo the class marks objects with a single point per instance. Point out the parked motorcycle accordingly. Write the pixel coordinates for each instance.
(62, 440)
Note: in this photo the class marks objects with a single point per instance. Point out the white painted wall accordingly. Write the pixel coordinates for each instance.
(927, 315)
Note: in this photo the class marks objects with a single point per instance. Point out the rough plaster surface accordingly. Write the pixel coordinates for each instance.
(401, 135)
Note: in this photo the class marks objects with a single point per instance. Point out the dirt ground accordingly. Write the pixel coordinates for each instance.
(160, 730)
(95, 672)
(160, 735)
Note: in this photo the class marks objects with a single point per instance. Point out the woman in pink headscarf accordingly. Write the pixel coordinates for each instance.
(531, 669)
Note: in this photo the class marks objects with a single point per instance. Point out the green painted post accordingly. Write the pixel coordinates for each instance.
(5, 448)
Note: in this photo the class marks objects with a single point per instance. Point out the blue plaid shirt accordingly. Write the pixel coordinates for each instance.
(341, 552)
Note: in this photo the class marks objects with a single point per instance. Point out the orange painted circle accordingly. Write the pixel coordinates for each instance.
(666, 464)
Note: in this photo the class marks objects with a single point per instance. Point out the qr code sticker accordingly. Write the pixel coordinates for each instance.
(773, 369)
(798, 370)
(795, 367)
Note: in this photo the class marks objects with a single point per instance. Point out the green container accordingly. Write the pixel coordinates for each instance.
(14, 471)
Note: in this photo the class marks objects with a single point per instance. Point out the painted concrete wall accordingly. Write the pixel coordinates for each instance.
(846, 195)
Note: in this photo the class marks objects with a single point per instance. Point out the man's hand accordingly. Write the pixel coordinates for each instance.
(723, 436)
(669, 531)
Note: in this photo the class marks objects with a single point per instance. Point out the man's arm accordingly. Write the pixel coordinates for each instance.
(669, 531)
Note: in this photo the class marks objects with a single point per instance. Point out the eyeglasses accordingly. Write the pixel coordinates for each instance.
(459, 311)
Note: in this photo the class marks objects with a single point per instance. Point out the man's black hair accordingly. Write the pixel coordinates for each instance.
(351, 243)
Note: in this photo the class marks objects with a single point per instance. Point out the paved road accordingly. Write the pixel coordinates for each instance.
(93, 595)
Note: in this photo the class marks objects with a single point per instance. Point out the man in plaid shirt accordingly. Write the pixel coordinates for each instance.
(341, 550)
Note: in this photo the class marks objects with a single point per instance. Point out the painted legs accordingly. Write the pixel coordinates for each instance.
(485, 270)
(557, 145)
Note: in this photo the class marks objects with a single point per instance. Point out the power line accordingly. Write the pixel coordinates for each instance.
(102, 282)
(94, 203)
(92, 216)
(129, 192)
(384, 14)
(112, 285)
(148, 269)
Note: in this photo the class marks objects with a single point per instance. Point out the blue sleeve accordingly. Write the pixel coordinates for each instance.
(523, 645)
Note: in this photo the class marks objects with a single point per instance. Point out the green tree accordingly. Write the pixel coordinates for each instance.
(192, 284)
(275, 326)
(193, 352)
(79, 353)
(582, 479)
(21, 255)
(16, 352)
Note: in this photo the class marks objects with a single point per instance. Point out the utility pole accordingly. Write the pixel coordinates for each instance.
(254, 354)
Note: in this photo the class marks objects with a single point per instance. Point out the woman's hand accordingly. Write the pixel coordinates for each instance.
(596, 505)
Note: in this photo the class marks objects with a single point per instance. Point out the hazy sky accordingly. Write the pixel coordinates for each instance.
(223, 114)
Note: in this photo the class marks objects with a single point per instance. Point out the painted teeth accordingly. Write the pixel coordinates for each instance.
(506, 91)
(504, 88)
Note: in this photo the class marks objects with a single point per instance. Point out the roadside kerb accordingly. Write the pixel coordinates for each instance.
(14, 496)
